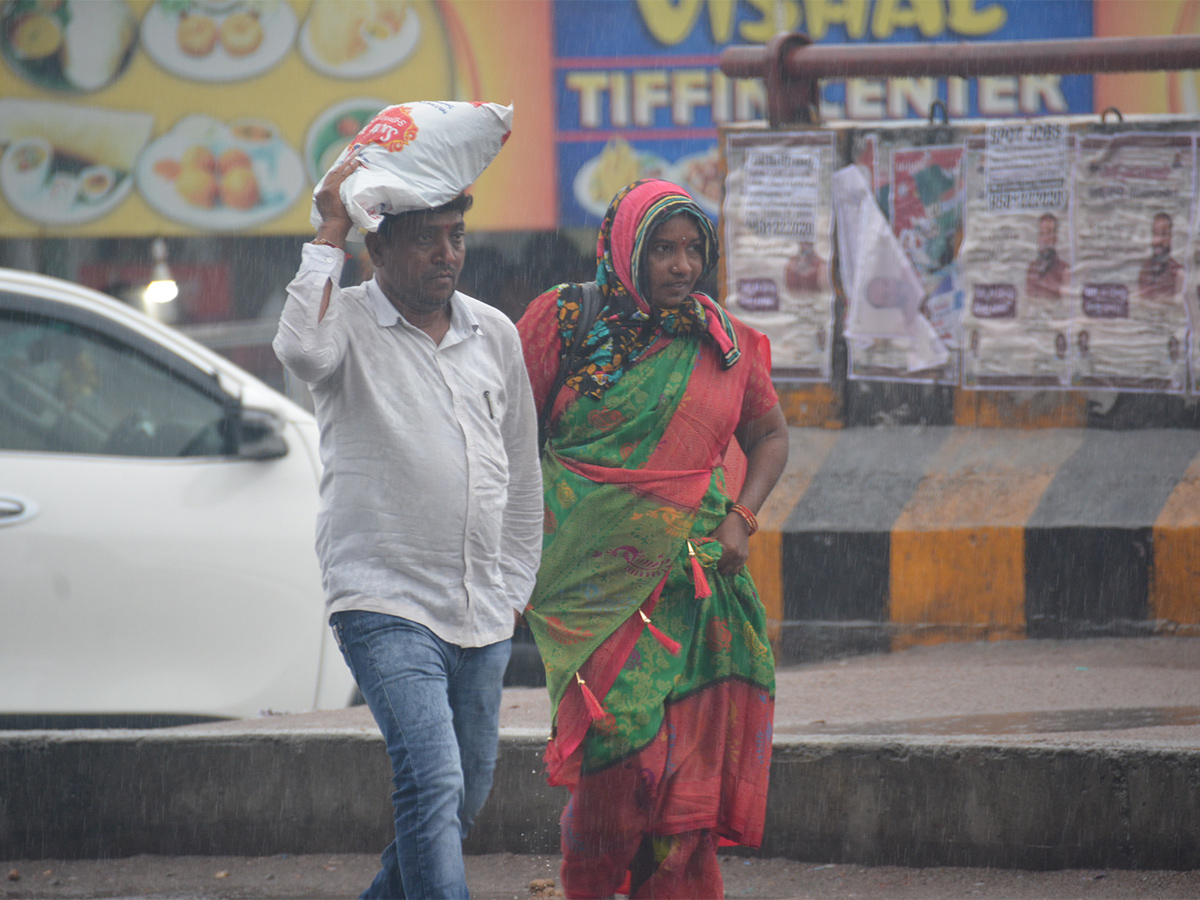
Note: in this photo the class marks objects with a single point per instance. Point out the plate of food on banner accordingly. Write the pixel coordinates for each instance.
(213, 175)
(218, 40)
(618, 164)
(359, 38)
(700, 175)
(62, 164)
(71, 46)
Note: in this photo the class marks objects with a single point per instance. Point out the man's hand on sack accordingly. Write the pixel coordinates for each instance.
(335, 220)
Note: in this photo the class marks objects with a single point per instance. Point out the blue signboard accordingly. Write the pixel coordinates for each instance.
(639, 90)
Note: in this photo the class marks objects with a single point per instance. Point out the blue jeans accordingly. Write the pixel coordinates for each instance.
(438, 706)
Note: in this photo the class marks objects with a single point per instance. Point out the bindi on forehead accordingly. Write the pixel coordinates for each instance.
(677, 230)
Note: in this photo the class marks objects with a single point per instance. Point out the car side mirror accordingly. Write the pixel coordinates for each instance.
(259, 435)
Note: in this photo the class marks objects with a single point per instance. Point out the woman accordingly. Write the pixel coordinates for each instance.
(652, 633)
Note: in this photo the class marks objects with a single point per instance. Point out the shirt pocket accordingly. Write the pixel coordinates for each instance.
(494, 406)
(491, 454)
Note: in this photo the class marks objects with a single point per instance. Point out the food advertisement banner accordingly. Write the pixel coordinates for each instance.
(604, 92)
(131, 117)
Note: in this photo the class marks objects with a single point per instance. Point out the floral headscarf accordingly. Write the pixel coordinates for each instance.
(628, 324)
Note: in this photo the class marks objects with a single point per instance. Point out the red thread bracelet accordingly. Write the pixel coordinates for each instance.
(749, 517)
(321, 242)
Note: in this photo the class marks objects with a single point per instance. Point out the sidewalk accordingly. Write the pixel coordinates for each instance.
(1101, 691)
(1019, 754)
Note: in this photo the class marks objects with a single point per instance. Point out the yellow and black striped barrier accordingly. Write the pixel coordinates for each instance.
(882, 538)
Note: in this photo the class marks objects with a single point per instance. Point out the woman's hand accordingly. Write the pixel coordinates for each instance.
(734, 537)
(765, 443)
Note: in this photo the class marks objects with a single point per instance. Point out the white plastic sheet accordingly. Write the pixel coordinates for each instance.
(883, 291)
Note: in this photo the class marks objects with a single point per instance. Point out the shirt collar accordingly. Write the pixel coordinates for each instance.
(463, 323)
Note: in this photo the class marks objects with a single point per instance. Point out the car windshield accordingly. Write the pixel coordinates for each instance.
(66, 389)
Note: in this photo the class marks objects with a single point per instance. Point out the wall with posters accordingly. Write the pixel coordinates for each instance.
(1050, 253)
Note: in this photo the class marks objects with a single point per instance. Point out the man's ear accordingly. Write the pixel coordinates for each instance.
(374, 244)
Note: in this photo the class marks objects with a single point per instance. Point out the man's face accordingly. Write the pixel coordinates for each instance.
(418, 261)
(1160, 237)
(1047, 234)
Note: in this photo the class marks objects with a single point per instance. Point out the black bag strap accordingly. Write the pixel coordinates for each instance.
(590, 299)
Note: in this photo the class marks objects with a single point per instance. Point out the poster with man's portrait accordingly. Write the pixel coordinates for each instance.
(778, 244)
(1133, 234)
(1017, 257)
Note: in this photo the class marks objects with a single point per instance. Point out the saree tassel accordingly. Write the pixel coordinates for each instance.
(595, 710)
(669, 643)
(698, 576)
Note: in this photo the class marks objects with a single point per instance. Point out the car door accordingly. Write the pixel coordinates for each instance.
(144, 567)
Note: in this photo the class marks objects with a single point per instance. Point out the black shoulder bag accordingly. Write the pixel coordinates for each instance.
(590, 299)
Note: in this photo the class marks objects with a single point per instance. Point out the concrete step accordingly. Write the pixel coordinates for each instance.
(1029, 754)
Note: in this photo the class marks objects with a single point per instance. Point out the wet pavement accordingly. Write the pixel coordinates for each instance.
(1138, 693)
(528, 877)
(1095, 691)
(1098, 691)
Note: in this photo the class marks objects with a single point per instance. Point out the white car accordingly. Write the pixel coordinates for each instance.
(157, 516)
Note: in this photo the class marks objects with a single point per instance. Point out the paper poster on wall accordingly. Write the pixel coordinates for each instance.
(1133, 211)
(1016, 257)
(1026, 166)
(920, 187)
(779, 242)
(926, 204)
(1192, 296)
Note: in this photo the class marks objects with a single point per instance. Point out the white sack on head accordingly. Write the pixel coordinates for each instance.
(883, 291)
(417, 156)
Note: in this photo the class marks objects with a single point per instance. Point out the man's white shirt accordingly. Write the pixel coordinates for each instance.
(431, 496)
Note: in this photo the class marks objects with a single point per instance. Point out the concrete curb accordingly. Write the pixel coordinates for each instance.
(919, 802)
(882, 538)
(959, 803)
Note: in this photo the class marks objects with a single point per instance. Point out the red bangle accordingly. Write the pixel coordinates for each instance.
(751, 521)
(321, 242)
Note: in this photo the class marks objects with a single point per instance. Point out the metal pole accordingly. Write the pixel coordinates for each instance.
(792, 65)
(1068, 56)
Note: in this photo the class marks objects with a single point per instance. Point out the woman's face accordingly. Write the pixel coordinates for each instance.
(674, 262)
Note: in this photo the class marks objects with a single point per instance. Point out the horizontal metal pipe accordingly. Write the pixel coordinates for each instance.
(968, 60)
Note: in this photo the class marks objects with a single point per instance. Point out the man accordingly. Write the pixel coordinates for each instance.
(1048, 274)
(806, 271)
(1158, 278)
(429, 532)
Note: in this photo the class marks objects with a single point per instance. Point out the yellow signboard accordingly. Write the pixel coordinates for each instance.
(175, 117)
(1170, 91)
